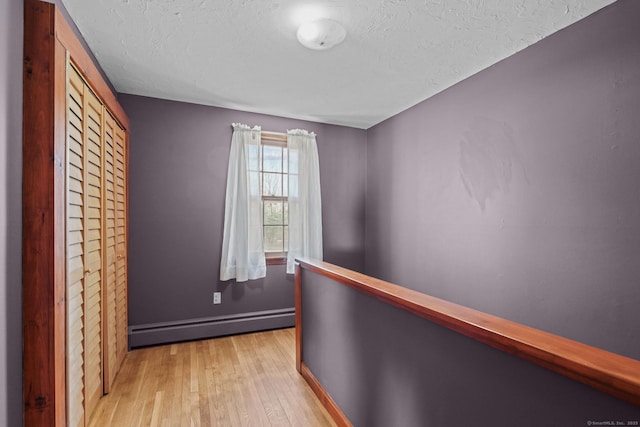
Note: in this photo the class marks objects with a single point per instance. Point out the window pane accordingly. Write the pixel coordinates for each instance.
(274, 238)
(273, 212)
(272, 158)
(286, 213)
(271, 184)
(274, 166)
(285, 160)
(286, 239)
(285, 185)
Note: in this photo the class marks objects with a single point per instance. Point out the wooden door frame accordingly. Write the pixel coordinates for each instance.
(49, 42)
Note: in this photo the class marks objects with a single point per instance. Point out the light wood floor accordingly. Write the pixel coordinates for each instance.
(245, 380)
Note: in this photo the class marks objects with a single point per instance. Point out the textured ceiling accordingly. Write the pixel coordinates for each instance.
(243, 54)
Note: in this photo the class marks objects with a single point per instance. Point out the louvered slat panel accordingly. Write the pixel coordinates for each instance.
(75, 237)
(94, 144)
(93, 213)
(94, 190)
(75, 172)
(75, 272)
(75, 253)
(94, 136)
(92, 299)
(94, 158)
(111, 346)
(94, 172)
(75, 185)
(75, 160)
(74, 224)
(74, 137)
(75, 109)
(75, 122)
(93, 248)
(93, 234)
(121, 243)
(94, 264)
(92, 223)
(74, 198)
(94, 202)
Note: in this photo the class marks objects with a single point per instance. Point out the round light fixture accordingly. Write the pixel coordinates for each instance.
(321, 34)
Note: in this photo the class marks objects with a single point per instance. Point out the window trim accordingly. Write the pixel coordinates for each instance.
(280, 258)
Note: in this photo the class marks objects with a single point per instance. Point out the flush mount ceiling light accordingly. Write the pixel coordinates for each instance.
(321, 34)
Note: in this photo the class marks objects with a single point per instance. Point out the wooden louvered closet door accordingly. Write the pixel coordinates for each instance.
(120, 171)
(110, 313)
(93, 248)
(96, 249)
(115, 249)
(84, 250)
(75, 249)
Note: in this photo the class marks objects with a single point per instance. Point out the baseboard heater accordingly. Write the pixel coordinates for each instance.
(209, 327)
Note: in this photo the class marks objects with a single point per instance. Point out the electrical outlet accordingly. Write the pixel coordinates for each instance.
(217, 298)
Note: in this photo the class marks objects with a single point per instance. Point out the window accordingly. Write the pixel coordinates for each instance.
(270, 203)
(274, 181)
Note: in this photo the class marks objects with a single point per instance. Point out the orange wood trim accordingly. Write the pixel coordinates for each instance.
(43, 230)
(330, 405)
(276, 260)
(298, 317)
(608, 372)
(60, 227)
(88, 69)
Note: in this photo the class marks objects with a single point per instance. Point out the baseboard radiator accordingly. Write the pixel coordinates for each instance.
(378, 354)
(209, 327)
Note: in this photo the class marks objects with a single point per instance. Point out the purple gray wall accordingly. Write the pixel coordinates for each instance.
(517, 191)
(179, 154)
(388, 367)
(11, 47)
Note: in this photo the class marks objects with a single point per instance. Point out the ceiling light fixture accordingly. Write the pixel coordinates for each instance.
(321, 34)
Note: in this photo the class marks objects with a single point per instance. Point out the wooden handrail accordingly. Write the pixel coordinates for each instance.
(608, 372)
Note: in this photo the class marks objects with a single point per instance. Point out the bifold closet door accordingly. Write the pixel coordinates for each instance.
(75, 249)
(121, 186)
(93, 270)
(84, 249)
(115, 249)
(111, 346)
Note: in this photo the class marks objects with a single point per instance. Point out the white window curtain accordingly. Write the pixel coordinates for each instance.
(242, 245)
(305, 208)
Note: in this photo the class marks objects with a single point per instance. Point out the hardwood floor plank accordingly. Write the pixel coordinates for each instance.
(155, 413)
(244, 380)
(254, 377)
